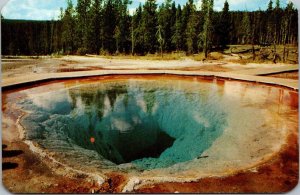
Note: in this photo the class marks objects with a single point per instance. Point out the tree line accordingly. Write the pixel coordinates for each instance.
(107, 27)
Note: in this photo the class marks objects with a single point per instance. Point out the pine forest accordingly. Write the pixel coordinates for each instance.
(106, 27)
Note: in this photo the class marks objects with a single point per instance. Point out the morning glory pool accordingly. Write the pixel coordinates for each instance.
(155, 126)
(142, 122)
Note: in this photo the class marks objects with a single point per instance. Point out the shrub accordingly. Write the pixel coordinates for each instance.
(82, 51)
(215, 56)
(104, 52)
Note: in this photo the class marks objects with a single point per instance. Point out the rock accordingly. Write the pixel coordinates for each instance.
(131, 184)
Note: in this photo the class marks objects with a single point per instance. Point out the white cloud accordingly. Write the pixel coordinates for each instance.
(253, 5)
(198, 4)
(242, 4)
(33, 9)
(2, 3)
(218, 4)
(50, 9)
(157, 1)
(131, 11)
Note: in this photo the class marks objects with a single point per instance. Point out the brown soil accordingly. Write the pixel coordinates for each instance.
(19, 67)
(215, 68)
(41, 179)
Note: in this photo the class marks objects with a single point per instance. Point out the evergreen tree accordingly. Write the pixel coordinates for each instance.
(117, 36)
(223, 28)
(122, 24)
(245, 30)
(149, 25)
(253, 33)
(136, 33)
(177, 36)
(270, 23)
(173, 26)
(186, 10)
(206, 35)
(109, 26)
(277, 14)
(191, 34)
(69, 28)
(286, 27)
(83, 24)
(270, 6)
(277, 4)
(105, 25)
(164, 21)
(96, 35)
(160, 39)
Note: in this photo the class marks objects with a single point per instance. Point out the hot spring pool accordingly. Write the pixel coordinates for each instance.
(157, 126)
(148, 123)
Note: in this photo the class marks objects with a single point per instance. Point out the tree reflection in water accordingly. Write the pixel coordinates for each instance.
(122, 131)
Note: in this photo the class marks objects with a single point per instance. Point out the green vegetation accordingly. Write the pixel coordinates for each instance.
(105, 27)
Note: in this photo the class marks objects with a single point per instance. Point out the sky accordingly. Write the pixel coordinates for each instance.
(50, 9)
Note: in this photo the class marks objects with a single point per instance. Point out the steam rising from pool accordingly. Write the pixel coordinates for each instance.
(150, 124)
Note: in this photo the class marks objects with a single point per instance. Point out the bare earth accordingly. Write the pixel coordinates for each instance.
(279, 174)
(19, 67)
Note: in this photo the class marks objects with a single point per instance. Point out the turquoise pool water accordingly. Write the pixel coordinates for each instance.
(151, 124)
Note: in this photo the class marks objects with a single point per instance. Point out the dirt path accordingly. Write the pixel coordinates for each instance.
(19, 67)
(268, 70)
(29, 70)
(33, 78)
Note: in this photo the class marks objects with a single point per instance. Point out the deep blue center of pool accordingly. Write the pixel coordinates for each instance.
(130, 121)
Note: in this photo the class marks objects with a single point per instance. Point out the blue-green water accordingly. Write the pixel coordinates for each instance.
(149, 124)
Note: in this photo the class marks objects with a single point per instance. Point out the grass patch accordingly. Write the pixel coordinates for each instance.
(215, 56)
(156, 56)
(211, 56)
(198, 57)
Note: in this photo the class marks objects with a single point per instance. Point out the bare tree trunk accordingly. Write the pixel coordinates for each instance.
(283, 56)
(253, 52)
(205, 43)
(117, 45)
(274, 54)
(207, 34)
(132, 41)
(274, 42)
(252, 41)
